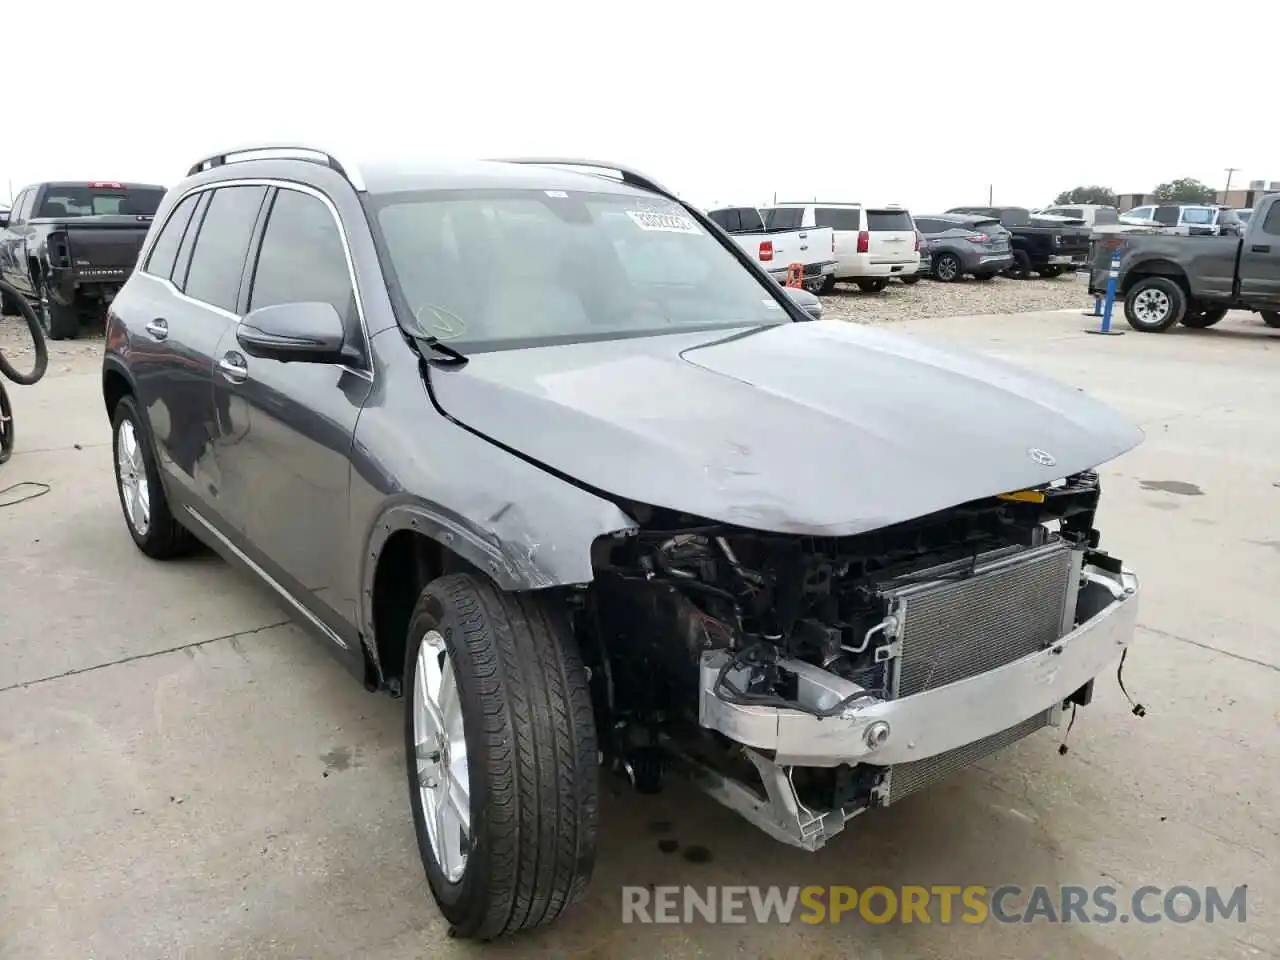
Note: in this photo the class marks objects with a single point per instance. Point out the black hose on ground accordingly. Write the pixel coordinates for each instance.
(9, 372)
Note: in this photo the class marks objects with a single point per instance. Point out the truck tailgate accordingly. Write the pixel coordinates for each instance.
(100, 247)
(891, 236)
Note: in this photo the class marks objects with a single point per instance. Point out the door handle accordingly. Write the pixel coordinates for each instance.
(233, 367)
(804, 236)
(1261, 248)
(158, 328)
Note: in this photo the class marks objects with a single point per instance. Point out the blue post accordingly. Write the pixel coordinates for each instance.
(1113, 278)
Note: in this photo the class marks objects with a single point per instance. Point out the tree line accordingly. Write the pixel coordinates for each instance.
(1183, 190)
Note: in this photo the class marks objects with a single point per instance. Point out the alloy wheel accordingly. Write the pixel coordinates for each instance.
(440, 748)
(131, 474)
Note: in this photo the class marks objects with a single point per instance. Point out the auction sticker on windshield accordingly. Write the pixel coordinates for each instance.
(664, 222)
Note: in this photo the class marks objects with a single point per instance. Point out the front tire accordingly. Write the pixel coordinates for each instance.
(1021, 267)
(872, 286)
(507, 831)
(1154, 304)
(142, 498)
(1050, 273)
(828, 284)
(910, 280)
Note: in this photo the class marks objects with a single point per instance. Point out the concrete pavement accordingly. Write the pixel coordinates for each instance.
(183, 773)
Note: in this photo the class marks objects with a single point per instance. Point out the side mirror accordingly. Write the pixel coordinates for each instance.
(4, 221)
(297, 332)
(806, 301)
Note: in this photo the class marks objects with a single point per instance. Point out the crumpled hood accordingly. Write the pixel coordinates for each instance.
(823, 427)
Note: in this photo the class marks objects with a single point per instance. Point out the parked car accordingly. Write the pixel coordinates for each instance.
(873, 244)
(962, 244)
(544, 453)
(776, 246)
(1047, 246)
(1193, 219)
(926, 260)
(1167, 279)
(1093, 214)
(68, 247)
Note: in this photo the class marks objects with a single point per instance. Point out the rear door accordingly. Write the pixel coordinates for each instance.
(891, 236)
(1260, 259)
(179, 320)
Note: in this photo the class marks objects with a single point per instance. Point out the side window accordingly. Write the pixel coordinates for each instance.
(1271, 225)
(165, 250)
(1141, 213)
(783, 218)
(22, 206)
(1167, 216)
(183, 262)
(1105, 215)
(217, 260)
(838, 218)
(302, 259)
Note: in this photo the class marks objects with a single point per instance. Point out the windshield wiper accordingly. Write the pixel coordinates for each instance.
(434, 350)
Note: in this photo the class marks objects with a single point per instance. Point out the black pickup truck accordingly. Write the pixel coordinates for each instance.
(70, 246)
(1049, 246)
(1165, 279)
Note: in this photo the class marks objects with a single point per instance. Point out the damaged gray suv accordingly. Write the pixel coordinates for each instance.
(535, 447)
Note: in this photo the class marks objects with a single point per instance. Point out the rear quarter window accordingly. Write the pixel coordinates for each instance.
(164, 251)
(838, 218)
(889, 221)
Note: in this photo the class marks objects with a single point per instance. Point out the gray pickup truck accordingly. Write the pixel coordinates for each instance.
(1194, 280)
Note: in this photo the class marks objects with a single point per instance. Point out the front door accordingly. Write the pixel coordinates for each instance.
(1260, 259)
(286, 428)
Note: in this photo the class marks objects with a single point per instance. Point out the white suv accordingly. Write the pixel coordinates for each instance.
(873, 244)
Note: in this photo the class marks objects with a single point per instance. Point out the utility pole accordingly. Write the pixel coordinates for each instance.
(991, 192)
(1230, 171)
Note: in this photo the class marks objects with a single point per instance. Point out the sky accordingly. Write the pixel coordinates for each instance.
(920, 102)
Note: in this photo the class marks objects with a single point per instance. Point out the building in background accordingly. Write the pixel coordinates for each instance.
(1243, 198)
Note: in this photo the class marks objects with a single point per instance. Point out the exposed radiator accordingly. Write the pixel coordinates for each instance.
(907, 778)
(1012, 605)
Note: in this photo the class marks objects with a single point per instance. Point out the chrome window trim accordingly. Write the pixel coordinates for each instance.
(145, 253)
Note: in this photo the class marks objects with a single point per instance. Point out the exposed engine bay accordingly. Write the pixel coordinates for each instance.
(704, 639)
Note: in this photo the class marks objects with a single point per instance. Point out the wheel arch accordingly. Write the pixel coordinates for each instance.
(414, 542)
(117, 383)
(1155, 267)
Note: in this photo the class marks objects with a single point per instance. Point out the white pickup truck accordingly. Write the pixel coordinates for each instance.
(776, 249)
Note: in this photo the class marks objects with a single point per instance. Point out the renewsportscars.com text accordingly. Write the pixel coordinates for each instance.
(940, 904)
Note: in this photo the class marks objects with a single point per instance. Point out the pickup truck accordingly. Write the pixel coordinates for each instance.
(1166, 279)
(776, 248)
(1049, 246)
(70, 246)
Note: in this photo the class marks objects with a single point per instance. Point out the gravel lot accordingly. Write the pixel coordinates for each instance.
(963, 298)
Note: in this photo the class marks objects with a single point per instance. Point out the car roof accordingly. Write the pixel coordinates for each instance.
(383, 175)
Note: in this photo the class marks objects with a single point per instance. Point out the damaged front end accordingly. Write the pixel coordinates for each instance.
(802, 680)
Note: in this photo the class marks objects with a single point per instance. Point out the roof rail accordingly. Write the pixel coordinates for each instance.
(280, 151)
(627, 175)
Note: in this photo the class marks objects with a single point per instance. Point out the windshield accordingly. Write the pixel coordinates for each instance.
(90, 201)
(507, 268)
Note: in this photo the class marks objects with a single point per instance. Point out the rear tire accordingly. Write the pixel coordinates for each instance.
(910, 280)
(142, 497)
(1021, 268)
(522, 716)
(872, 286)
(1271, 318)
(1050, 273)
(1154, 304)
(947, 268)
(1201, 319)
(828, 285)
(59, 322)
(984, 277)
